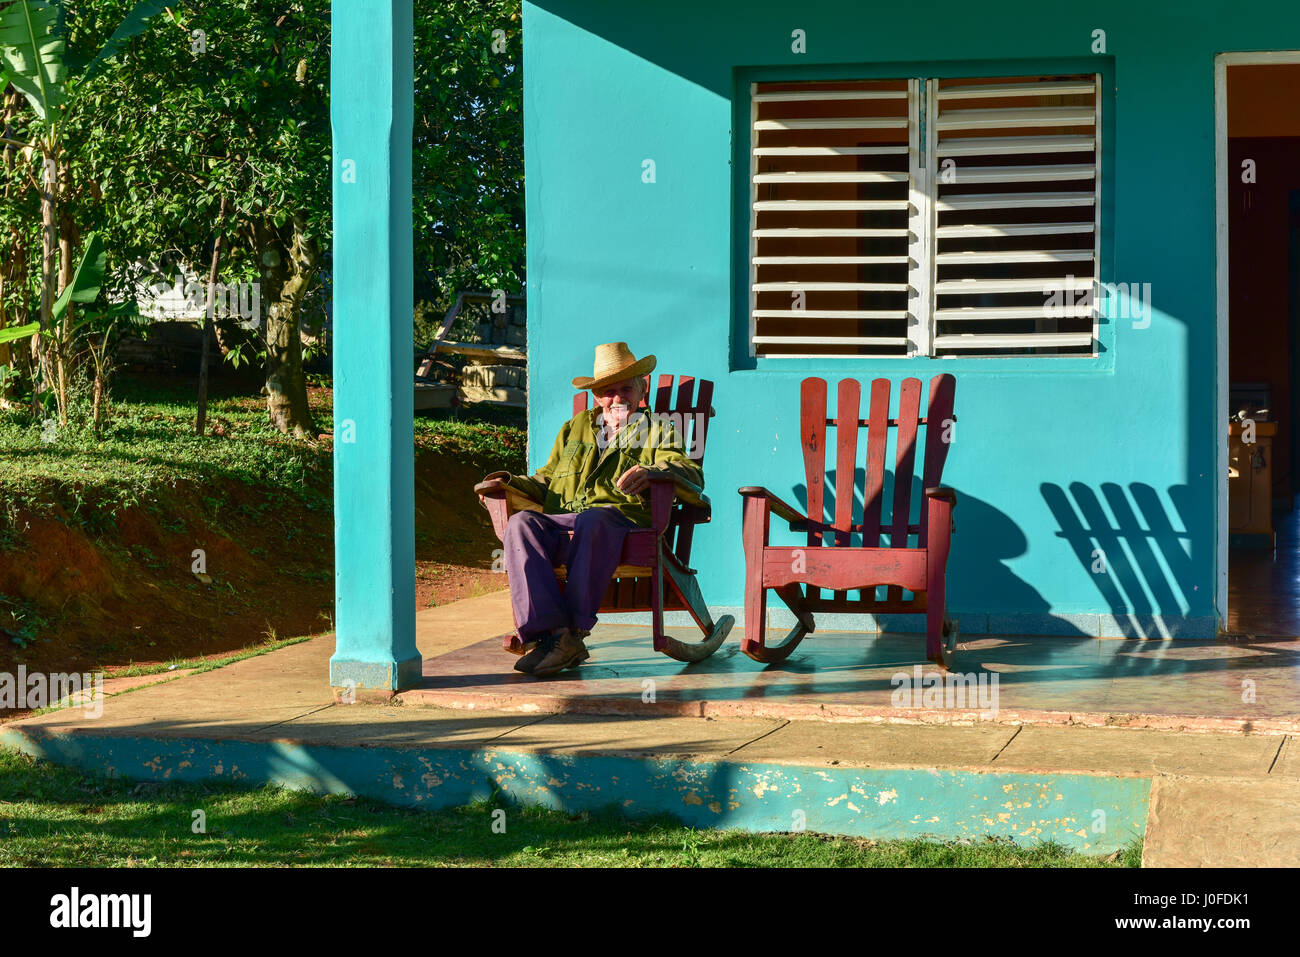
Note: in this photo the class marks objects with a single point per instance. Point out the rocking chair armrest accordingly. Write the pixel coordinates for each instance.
(501, 499)
(687, 492)
(491, 488)
(495, 483)
(780, 508)
(663, 489)
(944, 493)
(492, 496)
(522, 492)
(941, 503)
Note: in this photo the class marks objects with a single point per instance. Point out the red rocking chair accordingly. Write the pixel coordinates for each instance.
(654, 572)
(828, 561)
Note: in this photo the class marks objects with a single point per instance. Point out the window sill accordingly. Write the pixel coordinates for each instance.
(925, 366)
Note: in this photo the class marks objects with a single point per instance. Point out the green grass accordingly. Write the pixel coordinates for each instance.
(486, 437)
(25, 621)
(149, 445)
(196, 665)
(55, 816)
(201, 665)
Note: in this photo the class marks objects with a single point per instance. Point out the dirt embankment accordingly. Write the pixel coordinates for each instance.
(78, 594)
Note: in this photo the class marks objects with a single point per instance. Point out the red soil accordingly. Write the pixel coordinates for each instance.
(131, 596)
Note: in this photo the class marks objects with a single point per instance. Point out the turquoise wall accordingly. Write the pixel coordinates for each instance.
(893, 803)
(1053, 458)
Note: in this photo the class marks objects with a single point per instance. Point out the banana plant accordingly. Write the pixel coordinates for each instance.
(34, 53)
(84, 288)
(14, 333)
(94, 330)
(97, 330)
(86, 281)
(36, 60)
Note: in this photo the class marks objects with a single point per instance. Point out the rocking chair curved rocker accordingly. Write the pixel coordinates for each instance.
(654, 572)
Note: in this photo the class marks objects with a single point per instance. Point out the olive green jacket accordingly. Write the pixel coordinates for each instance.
(580, 474)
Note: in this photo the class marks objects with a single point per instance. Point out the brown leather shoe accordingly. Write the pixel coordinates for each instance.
(567, 652)
(540, 649)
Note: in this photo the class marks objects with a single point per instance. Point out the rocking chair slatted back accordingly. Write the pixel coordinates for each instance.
(846, 457)
(814, 421)
(846, 460)
(909, 403)
(692, 409)
(695, 431)
(812, 413)
(664, 393)
(877, 438)
(939, 414)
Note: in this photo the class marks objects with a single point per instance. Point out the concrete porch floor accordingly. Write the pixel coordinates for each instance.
(815, 743)
(1173, 684)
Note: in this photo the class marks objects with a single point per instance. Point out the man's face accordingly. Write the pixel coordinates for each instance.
(618, 400)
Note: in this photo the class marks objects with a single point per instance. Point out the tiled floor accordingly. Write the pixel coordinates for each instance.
(1149, 683)
(1264, 584)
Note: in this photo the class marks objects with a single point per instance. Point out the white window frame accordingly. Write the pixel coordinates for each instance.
(922, 310)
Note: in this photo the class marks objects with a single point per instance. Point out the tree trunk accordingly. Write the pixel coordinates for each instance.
(286, 275)
(64, 337)
(13, 275)
(96, 402)
(5, 358)
(49, 247)
(202, 418)
(12, 247)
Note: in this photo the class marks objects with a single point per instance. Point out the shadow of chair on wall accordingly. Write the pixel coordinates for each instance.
(1134, 551)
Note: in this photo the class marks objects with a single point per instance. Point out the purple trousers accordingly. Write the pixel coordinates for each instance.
(535, 544)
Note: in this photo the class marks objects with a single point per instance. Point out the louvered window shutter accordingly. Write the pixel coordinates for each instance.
(925, 217)
(830, 198)
(1016, 200)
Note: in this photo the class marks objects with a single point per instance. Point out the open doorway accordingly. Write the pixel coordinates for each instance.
(1258, 123)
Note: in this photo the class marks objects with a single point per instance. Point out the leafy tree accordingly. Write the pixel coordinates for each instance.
(228, 100)
(468, 151)
(39, 60)
(231, 102)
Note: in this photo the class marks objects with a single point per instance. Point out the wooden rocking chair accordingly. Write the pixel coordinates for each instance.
(654, 572)
(919, 568)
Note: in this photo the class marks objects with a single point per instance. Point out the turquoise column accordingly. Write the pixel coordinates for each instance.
(371, 109)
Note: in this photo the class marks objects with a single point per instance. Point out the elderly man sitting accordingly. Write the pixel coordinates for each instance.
(591, 486)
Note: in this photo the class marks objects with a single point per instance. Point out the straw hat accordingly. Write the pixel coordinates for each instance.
(614, 363)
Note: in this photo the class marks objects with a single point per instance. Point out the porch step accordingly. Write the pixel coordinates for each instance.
(1223, 822)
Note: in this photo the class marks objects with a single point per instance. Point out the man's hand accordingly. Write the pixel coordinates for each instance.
(635, 480)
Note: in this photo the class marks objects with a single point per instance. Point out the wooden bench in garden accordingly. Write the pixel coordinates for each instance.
(829, 561)
(496, 370)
